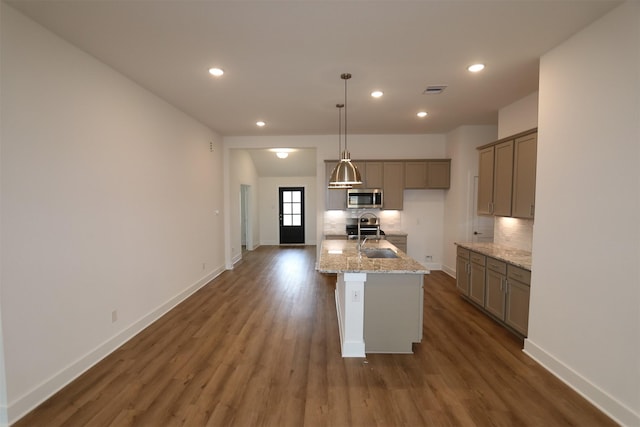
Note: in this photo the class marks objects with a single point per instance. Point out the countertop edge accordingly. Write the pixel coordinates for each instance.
(500, 252)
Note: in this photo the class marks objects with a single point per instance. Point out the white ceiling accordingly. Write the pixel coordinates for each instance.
(283, 59)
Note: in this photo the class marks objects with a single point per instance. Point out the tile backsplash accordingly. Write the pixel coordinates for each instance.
(335, 221)
(514, 232)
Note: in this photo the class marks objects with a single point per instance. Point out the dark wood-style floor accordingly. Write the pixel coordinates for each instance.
(259, 345)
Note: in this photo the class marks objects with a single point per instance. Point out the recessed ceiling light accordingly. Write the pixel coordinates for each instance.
(422, 114)
(377, 93)
(260, 123)
(475, 68)
(282, 155)
(216, 72)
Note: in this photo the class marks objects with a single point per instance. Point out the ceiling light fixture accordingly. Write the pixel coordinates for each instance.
(345, 172)
(260, 123)
(377, 93)
(282, 153)
(216, 72)
(475, 68)
(422, 114)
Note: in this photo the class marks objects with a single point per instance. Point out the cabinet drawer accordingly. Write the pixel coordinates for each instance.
(497, 266)
(519, 274)
(477, 258)
(463, 253)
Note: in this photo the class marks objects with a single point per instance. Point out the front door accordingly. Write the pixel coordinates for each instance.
(291, 215)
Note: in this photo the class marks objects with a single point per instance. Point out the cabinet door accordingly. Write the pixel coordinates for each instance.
(524, 176)
(415, 174)
(438, 174)
(393, 185)
(517, 310)
(495, 296)
(370, 172)
(503, 179)
(337, 198)
(485, 181)
(373, 170)
(476, 284)
(462, 275)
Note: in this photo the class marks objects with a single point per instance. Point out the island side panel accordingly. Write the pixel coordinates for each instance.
(350, 308)
(393, 312)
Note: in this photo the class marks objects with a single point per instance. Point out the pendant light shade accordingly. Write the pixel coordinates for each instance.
(345, 174)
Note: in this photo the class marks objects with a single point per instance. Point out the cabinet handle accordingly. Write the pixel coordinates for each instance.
(490, 207)
(531, 210)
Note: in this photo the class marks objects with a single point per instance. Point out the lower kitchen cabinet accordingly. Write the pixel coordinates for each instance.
(397, 240)
(499, 288)
(477, 278)
(462, 271)
(496, 288)
(518, 290)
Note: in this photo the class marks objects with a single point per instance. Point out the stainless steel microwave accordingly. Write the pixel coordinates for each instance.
(360, 198)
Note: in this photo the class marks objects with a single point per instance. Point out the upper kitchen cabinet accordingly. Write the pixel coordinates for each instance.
(430, 174)
(371, 174)
(485, 180)
(524, 176)
(393, 185)
(336, 198)
(503, 179)
(506, 178)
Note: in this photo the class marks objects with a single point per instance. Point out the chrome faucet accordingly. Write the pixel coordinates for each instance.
(360, 222)
(361, 244)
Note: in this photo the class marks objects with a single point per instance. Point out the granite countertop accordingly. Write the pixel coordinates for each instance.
(513, 256)
(341, 256)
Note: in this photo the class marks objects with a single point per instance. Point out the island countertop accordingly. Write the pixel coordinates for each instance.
(341, 256)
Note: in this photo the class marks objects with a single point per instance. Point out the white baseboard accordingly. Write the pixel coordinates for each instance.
(34, 397)
(606, 403)
(450, 271)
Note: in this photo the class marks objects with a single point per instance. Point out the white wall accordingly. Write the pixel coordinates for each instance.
(518, 117)
(269, 212)
(108, 203)
(584, 323)
(4, 420)
(459, 209)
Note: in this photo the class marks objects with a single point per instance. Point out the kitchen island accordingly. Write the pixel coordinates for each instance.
(379, 300)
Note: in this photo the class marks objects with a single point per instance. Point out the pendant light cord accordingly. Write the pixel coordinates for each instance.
(345, 77)
(339, 106)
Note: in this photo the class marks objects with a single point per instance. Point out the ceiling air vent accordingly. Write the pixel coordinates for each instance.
(434, 90)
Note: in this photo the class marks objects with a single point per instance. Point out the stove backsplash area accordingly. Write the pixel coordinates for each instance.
(336, 221)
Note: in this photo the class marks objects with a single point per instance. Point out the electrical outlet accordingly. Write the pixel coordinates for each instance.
(114, 316)
(428, 258)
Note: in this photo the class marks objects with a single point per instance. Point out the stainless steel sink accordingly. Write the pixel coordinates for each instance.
(379, 253)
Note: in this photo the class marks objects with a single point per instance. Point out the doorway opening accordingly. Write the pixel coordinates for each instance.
(291, 201)
(246, 235)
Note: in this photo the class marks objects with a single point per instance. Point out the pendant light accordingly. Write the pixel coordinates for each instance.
(334, 185)
(345, 174)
